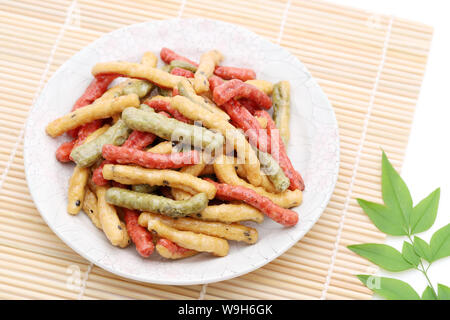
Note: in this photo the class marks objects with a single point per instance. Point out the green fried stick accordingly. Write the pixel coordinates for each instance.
(281, 108)
(171, 129)
(88, 153)
(143, 188)
(183, 65)
(139, 87)
(166, 68)
(156, 204)
(164, 92)
(273, 171)
(146, 108)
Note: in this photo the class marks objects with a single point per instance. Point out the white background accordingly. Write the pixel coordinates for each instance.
(427, 162)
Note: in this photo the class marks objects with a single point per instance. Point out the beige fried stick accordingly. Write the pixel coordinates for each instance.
(137, 70)
(154, 177)
(114, 229)
(233, 231)
(76, 191)
(166, 253)
(162, 147)
(229, 213)
(262, 122)
(185, 89)
(208, 61)
(263, 85)
(186, 239)
(244, 150)
(98, 110)
(90, 208)
(193, 170)
(226, 173)
(149, 59)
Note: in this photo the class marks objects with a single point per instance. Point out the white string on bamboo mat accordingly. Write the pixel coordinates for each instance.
(280, 35)
(180, 12)
(358, 158)
(69, 12)
(283, 21)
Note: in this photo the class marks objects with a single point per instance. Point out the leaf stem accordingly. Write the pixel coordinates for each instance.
(424, 271)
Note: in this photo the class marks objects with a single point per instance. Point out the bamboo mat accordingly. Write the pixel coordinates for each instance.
(370, 66)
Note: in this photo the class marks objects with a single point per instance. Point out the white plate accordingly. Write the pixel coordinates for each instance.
(313, 149)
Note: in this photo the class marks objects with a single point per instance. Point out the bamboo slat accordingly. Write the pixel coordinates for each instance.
(370, 65)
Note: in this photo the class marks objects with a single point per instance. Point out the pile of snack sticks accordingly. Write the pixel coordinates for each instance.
(173, 159)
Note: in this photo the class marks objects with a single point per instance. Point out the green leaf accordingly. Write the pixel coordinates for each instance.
(424, 213)
(389, 288)
(440, 243)
(428, 294)
(409, 254)
(422, 249)
(443, 292)
(388, 221)
(382, 255)
(395, 193)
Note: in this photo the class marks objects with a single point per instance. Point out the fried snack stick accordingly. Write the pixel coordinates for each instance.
(91, 151)
(162, 147)
(214, 81)
(129, 86)
(168, 56)
(242, 147)
(64, 150)
(182, 72)
(170, 250)
(139, 140)
(139, 87)
(143, 188)
(187, 239)
(149, 59)
(281, 108)
(183, 65)
(100, 110)
(160, 103)
(169, 178)
(140, 236)
(262, 122)
(229, 213)
(208, 61)
(139, 71)
(171, 129)
(153, 203)
(228, 73)
(94, 91)
(226, 173)
(76, 191)
(237, 89)
(185, 89)
(233, 231)
(278, 214)
(123, 155)
(263, 85)
(194, 170)
(62, 154)
(283, 160)
(90, 208)
(114, 229)
(273, 171)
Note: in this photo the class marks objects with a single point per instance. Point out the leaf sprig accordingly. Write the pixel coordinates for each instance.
(398, 217)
